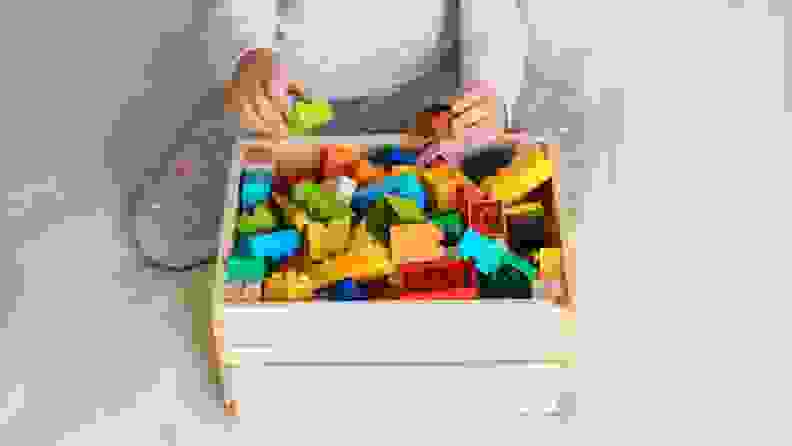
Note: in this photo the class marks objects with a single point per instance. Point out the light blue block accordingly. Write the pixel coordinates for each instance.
(487, 254)
(275, 245)
(253, 193)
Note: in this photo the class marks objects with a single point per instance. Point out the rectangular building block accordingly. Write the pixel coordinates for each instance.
(288, 286)
(252, 269)
(486, 253)
(275, 245)
(325, 240)
(440, 274)
(550, 263)
(486, 217)
(415, 243)
(526, 234)
(369, 263)
(516, 182)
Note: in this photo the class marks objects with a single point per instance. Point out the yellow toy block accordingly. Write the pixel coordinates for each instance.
(359, 238)
(513, 183)
(325, 240)
(550, 263)
(288, 286)
(441, 183)
(524, 209)
(371, 262)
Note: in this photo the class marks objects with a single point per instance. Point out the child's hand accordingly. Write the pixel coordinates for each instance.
(260, 95)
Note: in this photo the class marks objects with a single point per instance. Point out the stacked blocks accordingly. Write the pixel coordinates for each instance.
(356, 231)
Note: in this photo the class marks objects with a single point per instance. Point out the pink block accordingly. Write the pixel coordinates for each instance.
(480, 88)
(453, 153)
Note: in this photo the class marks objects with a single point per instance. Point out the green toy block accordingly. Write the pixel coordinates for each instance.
(405, 210)
(507, 279)
(250, 269)
(321, 205)
(451, 224)
(391, 210)
(523, 266)
(262, 219)
(304, 191)
(309, 115)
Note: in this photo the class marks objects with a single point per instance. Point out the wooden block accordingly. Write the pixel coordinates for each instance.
(415, 243)
(288, 286)
(486, 217)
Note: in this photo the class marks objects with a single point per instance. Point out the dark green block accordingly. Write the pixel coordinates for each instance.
(506, 283)
(451, 224)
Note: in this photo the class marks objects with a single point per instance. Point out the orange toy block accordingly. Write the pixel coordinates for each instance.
(336, 159)
(364, 173)
(415, 243)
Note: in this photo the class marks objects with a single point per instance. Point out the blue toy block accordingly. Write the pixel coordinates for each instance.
(255, 187)
(404, 186)
(487, 254)
(275, 245)
(348, 289)
(395, 156)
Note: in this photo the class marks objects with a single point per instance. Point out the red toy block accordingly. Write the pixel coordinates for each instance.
(465, 193)
(434, 275)
(486, 217)
(452, 294)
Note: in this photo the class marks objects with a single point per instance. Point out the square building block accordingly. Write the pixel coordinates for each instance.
(415, 243)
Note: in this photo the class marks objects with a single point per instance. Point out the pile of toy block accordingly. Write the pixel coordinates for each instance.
(387, 228)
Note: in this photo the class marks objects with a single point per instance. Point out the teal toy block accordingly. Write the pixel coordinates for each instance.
(487, 254)
(248, 269)
(525, 267)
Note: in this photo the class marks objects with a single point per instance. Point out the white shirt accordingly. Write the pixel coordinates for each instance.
(380, 62)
